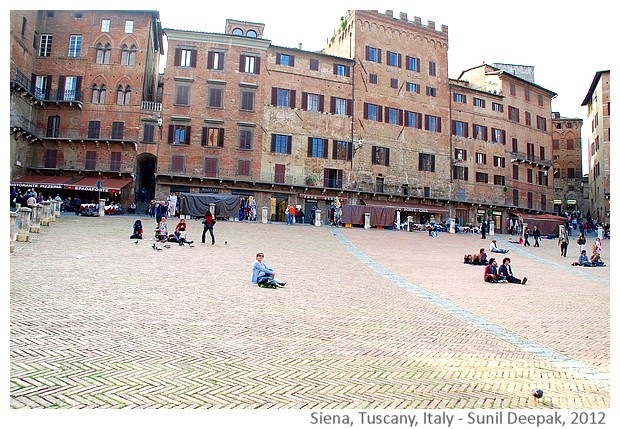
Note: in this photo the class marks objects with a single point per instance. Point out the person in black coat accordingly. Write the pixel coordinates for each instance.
(536, 235)
(76, 205)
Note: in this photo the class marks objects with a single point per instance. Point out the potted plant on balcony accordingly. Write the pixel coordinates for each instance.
(311, 180)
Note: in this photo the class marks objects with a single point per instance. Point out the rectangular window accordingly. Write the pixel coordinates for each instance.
(51, 158)
(342, 70)
(45, 46)
(497, 107)
(499, 180)
(426, 162)
(281, 143)
(93, 129)
(515, 197)
(243, 167)
(394, 83)
(530, 175)
(247, 100)
(342, 150)
(526, 93)
(317, 147)
(373, 54)
(53, 126)
(216, 97)
(460, 173)
(91, 160)
(498, 136)
(148, 133)
(129, 26)
(182, 93)
(541, 101)
(413, 63)
(179, 134)
(530, 200)
(515, 145)
(460, 154)
(115, 161)
(479, 102)
(75, 45)
(332, 178)
(515, 172)
(279, 173)
(372, 78)
(482, 177)
(513, 89)
(413, 87)
(285, 60)
(186, 58)
(541, 123)
(499, 161)
(105, 25)
(281, 97)
(394, 59)
(460, 129)
(569, 144)
(542, 153)
(513, 114)
(380, 155)
(460, 98)
(528, 119)
(212, 137)
(481, 158)
(340, 106)
(432, 68)
(413, 120)
(117, 130)
(430, 91)
(311, 102)
(245, 138)
(249, 64)
(177, 164)
(211, 165)
(373, 112)
(314, 64)
(432, 123)
(379, 183)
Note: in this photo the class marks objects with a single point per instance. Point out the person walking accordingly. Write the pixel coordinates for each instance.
(597, 247)
(208, 222)
(536, 235)
(563, 242)
(526, 236)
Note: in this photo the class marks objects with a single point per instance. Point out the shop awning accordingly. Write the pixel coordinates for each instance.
(407, 207)
(90, 184)
(45, 182)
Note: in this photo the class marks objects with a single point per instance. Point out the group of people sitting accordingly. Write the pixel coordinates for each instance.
(593, 261)
(480, 258)
(493, 274)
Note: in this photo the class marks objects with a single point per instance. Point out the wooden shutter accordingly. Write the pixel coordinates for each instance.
(241, 63)
(438, 125)
(274, 96)
(325, 148)
(171, 133)
(349, 104)
(289, 144)
(374, 154)
(278, 58)
(177, 57)
(220, 137)
(321, 103)
(339, 178)
(387, 156)
(379, 55)
(293, 96)
(203, 137)
(194, 59)
(273, 143)
(257, 65)
(292, 62)
(349, 151)
(210, 60)
(309, 146)
(432, 162)
(304, 101)
(380, 114)
(332, 105)
(401, 114)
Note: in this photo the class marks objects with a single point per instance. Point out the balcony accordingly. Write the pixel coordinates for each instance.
(521, 157)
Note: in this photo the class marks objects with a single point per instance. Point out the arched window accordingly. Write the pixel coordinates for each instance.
(102, 92)
(237, 32)
(128, 55)
(103, 53)
(251, 33)
(98, 96)
(133, 52)
(124, 55)
(123, 95)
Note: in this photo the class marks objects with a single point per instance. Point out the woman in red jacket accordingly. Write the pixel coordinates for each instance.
(208, 223)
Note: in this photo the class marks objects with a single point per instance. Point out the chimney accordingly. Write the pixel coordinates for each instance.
(300, 46)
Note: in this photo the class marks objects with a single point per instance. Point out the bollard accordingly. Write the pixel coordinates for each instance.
(23, 224)
(264, 215)
(410, 223)
(452, 226)
(101, 207)
(13, 222)
(366, 220)
(45, 213)
(317, 217)
(491, 227)
(35, 221)
(51, 218)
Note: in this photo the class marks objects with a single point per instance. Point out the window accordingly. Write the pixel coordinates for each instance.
(555, 144)
(246, 136)
(482, 177)
(460, 129)
(128, 55)
(317, 147)
(515, 172)
(342, 70)
(279, 173)
(105, 25)
(460, 173)
(24, 22)
(460, 98)
(93, 129)
(332, 178)
(430, 91)
(41, 89)
(526, 93)
(515, 197)
(480, 132)
(115, 161)
(148, 133)
(90, 162)
(479, 102)
(342, 150)
(71, 91)
(393, 116)
(373, 112)
(498, 136)
(314, 64)
(45, 46)
(541, 100)
(530, 175)
(212, 137)
(432, 68)
(373, 54)
(210, 166)
(51, 158)
(243, 167)
(542, 178)
(394, 59)
(340, 106)
(413, 87)
(481, 158)
(497, 107)
(513, 89)
(380, 155)
(215, 60)
(372, 78)
(103, 53)
(53, 126)
(460, 154)
(123, 95)
(379, 183)
(128, 26)
(515, 145)
(528, 119)
(312, 102)
(216, 97)
(413, 120)
(182, 94)
(237, 32)
(75, 45)
(281, 97)
(117, 130)
(394, 83)
(541, 123)
(413, 63)
(542, 153)
(513, 114)
(499, 161)
(249, 64)
(432, 123)
(530, 151)
(179, 134)
(530, 200)
(285, 60)
(247, 100)
(281, 143)
(499, 180)
(426, 162)
(185, 58)
(569, 144)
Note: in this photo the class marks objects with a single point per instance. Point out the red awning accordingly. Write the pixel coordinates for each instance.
(45, 182)
(90, 184)
(407, 207)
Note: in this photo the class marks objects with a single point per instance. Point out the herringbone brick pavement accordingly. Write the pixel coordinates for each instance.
(369, 319)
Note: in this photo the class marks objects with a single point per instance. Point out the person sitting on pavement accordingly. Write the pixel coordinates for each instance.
(491, 275)
(506, 272)
(493, 247)
(180, 232)
(263, 274)
(583, 261)
(595, 260)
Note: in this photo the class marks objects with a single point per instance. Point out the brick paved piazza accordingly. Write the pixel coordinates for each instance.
(370, 319)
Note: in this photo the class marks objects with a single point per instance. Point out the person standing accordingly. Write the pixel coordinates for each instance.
(526, 236)
(483, 229)
(597, 247)
(172, 204)
(536, 235)
(581, 241)
(506, 272)
(77, 203)
(563, 242)
(208, 222)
